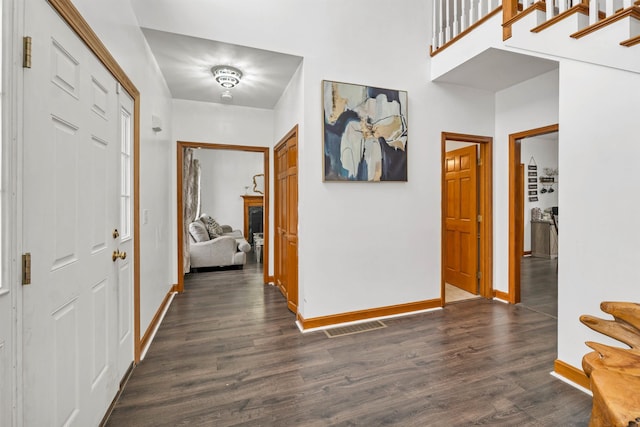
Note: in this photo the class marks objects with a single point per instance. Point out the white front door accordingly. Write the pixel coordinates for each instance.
(7, 313)
(71, 311)
(7, 379)
(9, 259)
(124, 266)
(6, 351)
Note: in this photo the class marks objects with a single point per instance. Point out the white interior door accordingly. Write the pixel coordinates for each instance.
(6, 347)
(124, 266)
(71, 208)
(7, 313)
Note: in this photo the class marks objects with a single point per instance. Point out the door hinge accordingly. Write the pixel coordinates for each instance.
(26, 52)
(479, 218)
(479, 161)
(479, 274)
(26, 268)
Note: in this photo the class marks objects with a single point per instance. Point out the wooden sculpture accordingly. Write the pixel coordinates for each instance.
(615, 372)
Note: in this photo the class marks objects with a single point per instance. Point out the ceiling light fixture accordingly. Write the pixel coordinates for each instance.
(228, 77)
(226, 95)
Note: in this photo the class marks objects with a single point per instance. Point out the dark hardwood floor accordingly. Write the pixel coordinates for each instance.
(539, 285)
(228, 354)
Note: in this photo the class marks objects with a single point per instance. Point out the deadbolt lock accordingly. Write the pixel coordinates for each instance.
(116, 234)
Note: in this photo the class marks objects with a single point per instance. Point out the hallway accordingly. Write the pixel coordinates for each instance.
(228, 354)
(539, 285)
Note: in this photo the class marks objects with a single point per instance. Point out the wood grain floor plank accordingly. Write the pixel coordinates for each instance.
(228, 354)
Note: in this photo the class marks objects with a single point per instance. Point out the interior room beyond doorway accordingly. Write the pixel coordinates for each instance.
(225, 190)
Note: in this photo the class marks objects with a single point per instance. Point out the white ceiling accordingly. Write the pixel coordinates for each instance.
(186, 65)
(496, 69)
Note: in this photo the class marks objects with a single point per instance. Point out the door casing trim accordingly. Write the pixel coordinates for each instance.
(485, 209)
(516, 227)
(180, 146)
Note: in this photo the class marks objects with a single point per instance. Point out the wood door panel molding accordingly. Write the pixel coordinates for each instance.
(286, 214)
(461, 218)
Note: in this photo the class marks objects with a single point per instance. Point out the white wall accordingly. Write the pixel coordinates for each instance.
(288, 113)
(222, 124)
(361, 245)
(116, 25)
(599, 236)
(528, 105)
(544, 150)
(223, 178)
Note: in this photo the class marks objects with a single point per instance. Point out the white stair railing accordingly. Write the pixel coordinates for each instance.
(452, 17)
(597, 8)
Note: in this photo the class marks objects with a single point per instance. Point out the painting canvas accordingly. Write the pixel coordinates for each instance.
(365, 133)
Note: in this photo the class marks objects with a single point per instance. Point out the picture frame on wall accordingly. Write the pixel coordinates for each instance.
(533, 186)
(533, 173)
(533, 192)
(533, 199)
(365, 133)
(533, 180)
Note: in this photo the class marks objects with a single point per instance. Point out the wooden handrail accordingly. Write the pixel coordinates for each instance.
(633, 11)
(509, 11)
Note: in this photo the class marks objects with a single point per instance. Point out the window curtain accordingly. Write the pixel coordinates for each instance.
(191, 196)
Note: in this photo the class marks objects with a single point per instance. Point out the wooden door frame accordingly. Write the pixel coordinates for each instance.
(485, 209)
(181, 145)
(516, 208)
(77, 23)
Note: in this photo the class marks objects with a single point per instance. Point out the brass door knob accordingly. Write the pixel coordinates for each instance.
(117, 254)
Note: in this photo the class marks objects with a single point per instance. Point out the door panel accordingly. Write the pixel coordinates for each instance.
(292, 225)
(124, 240)
(461, 226)
(280, 215)
(286, 212)
(71, 200)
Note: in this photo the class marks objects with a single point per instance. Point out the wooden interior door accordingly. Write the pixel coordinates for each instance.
(461, 219)
(292, 224)
(280, 196)
(286, 215)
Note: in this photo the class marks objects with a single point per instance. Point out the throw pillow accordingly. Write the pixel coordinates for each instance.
(198, 232)
(212, 226)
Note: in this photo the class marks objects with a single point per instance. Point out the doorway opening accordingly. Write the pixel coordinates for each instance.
(467, 216)
(181, 147)
(521, 175)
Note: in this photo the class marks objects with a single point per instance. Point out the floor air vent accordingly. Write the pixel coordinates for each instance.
(354, 329)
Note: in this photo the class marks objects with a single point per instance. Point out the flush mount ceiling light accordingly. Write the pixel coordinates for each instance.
(228, 77)
(226, 95)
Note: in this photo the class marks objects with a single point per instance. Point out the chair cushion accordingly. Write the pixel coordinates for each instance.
(198, 232)
(213, 228)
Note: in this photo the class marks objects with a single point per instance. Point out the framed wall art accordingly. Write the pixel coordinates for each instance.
(365, 133)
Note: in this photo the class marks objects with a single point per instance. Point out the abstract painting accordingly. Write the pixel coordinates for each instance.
(365, 133)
